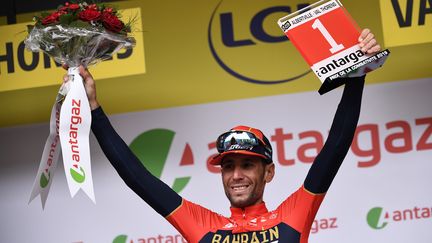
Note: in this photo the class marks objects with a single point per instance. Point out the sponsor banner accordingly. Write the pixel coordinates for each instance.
(22, 69)
(50, 155)
(346, 62)
(75, 121)
(378, 217)
(388, 167)
(340, 66)
(143, 239)
(406, 22)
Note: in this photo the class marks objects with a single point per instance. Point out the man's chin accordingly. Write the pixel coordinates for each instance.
(239, 202)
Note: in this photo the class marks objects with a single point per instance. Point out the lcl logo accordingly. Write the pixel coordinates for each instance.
(246, 42)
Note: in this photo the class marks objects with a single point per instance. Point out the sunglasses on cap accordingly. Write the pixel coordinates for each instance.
(243, 140)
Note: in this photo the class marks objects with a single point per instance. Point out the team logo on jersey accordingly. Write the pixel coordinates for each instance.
(269, 235)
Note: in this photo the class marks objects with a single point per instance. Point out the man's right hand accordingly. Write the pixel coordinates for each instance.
(89, 84)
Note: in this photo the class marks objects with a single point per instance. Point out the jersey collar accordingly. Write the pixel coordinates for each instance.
(248, 212)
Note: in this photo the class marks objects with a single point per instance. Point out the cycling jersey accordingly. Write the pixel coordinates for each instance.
(290, 222)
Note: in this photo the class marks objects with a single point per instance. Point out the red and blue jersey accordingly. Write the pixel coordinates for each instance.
(290, 222)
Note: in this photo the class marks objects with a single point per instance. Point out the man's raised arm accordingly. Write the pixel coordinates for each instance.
(330, 158)
(156, 193)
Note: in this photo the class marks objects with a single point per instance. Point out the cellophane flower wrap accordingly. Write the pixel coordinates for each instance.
(77, 33)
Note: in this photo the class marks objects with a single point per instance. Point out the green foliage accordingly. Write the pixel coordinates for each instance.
(80, 24)
(66, 19)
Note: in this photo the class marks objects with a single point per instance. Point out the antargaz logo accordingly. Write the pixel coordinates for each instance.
(152, 148)
(377, 218)
(374, 216)
(177, 238)
(120, 239)
(44, 180)
(249, 45)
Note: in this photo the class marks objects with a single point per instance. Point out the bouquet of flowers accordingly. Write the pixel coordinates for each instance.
(77, 33)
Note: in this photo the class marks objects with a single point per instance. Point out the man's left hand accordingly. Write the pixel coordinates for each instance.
(368, 43)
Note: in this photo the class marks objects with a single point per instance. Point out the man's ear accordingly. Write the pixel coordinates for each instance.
(269, 172)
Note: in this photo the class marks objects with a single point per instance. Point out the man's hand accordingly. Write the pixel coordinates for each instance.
(368, 43)
(89, 84)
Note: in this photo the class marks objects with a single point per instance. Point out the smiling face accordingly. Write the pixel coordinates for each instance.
(244, 178)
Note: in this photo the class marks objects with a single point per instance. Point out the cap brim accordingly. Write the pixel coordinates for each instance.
(218, 158)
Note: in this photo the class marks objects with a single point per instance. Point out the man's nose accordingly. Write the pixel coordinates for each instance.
(238, 173)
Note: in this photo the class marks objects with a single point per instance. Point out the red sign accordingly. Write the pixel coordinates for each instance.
(325, 35)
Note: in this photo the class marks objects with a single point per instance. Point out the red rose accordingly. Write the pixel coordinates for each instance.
(64, 8)
(89, 15)
(111, 22)
(74, 6)
(68, 6)
(108, 10)
(52, 18)
(92, 6)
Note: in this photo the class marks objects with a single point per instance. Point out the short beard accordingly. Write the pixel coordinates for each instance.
(251, 200)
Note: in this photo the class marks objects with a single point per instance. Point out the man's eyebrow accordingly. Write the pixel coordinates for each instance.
(226, 161)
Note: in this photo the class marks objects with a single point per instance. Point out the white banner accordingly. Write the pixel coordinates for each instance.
(381, 193)
(50, 155)
(75, 122)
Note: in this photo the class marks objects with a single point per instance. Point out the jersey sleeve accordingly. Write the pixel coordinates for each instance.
(299, 210)
(152, 190)
(329, 159)
(194, 221)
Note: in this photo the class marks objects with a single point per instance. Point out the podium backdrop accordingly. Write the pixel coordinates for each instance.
(202, 68)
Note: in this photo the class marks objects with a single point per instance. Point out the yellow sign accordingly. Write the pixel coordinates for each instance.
(211, 51)
(406, 22)
(22, 69)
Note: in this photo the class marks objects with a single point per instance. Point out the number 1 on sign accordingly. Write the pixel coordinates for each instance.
(335, 47)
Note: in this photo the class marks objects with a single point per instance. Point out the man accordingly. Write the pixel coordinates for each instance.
(245, 157)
